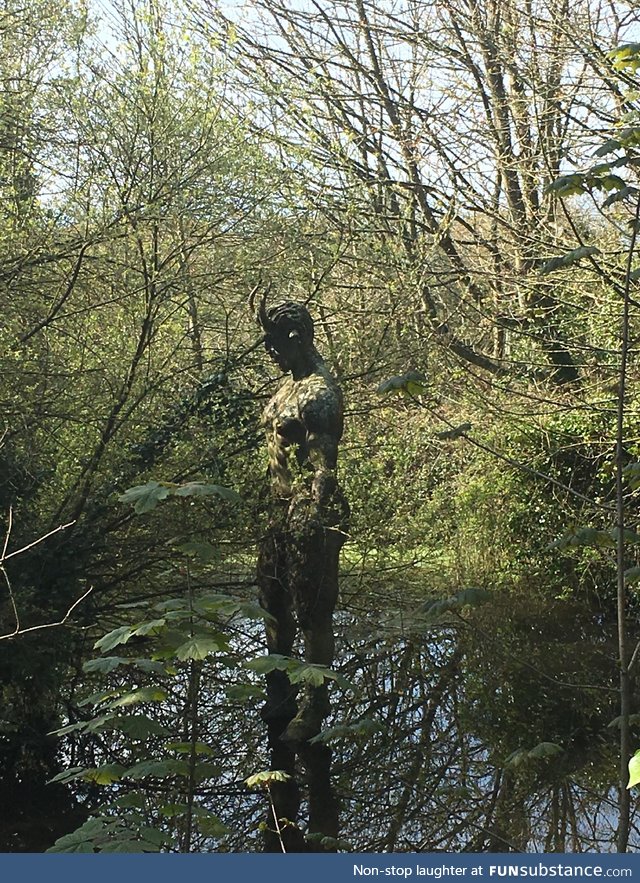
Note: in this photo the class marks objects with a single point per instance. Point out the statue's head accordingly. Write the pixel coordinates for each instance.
(288, 331)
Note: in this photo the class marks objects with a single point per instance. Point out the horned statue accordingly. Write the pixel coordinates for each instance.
(298, 556)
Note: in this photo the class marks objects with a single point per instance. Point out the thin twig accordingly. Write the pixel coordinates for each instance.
(275, 819)
(60, 527)
(5, 557)
(46, 625)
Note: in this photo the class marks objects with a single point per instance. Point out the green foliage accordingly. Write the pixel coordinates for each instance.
(360, 731)
(413, 383)
(145, 497)
(542, 751)
(634, 770)
(180, 636)
(572, 257)
(266, 778)
(298, 672)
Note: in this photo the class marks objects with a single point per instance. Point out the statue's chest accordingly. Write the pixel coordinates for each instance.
(283, 416)
(283, 408)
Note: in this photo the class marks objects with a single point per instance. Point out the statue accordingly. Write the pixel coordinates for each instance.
(298, 557)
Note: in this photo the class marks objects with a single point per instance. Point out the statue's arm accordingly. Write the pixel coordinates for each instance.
(323, 454)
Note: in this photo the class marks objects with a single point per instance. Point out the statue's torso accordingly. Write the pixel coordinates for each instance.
(300, 408)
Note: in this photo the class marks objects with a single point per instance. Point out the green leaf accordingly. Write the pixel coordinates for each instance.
(74, 772)
(568, 185)
(139, 726)
(413, 383)
(134, 800)
(243, 692)
(569, 259)
(298, 672)
(632, 575)
(204, 770)
(211, 826)
(103, 664)
(634, 770)
(309, 673)
(80, 840)
(266, 778)
(632, 471)
(159, 769)
(200, 646)
(114, 638)
(142, 694)
(610, 182)
(540, 752)
(358, 732)
(105, 774)
(471, 597)
(265, 664)
(145, 497)
(619, 196)
(608, 147)
(627, 55)
(616, 723)
(585, 536)
(545, 749)
(152, 627)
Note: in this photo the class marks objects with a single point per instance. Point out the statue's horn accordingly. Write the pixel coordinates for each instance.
(261, 312)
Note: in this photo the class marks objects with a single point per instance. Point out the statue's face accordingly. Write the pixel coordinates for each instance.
(282, 348)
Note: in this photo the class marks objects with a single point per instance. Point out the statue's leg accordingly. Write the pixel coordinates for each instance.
(313, 564)
(280, 625)
(280, 706)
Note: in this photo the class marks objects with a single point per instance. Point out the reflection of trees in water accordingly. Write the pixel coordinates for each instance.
(448, 705)
(456, 704)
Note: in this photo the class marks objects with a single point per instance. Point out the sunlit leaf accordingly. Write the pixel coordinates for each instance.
(412, 383)
(145, 497)
(266, 778)
(634, 770)
(143, 694)
(105, 774)
(199, 647)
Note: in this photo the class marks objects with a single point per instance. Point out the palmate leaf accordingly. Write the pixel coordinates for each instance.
(634, 770)
(620, 195)
(542, 751)
(204, 552)
(360, 731)
(139, 726)
(200, 646)
(591, 536)
(568, 185)
(298, 672)
(187, 748)
(142, 694)
(413, 383)
(160, 769)
(145, 497)
(627, 55)
(105, 774)
(266, 778)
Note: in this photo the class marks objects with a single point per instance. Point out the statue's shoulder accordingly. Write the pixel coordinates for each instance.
(320, 403)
